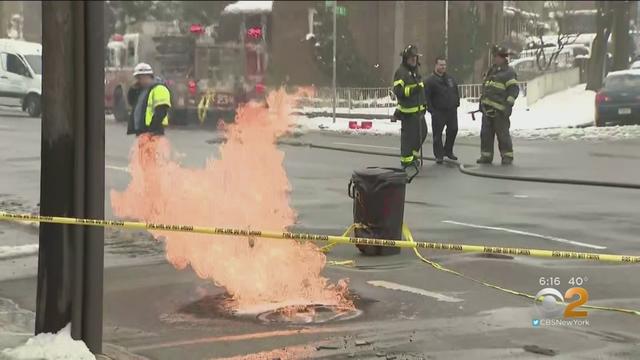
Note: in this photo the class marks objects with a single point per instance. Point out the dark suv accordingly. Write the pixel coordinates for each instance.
(618, 102)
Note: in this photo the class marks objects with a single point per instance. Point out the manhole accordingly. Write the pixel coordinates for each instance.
(308, 314)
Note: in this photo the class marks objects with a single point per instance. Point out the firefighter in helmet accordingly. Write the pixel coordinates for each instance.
(499, 92)
(409, 91)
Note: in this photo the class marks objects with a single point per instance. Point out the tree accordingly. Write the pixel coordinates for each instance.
(129, 12)
(351, 69)
(621, 38)
(546, 58)
(598, 61)
(471, 36)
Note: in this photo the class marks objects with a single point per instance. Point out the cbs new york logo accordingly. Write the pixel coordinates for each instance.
(554, 308)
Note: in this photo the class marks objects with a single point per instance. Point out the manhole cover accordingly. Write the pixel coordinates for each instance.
(308, 314)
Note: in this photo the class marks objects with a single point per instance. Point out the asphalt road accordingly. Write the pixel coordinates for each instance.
(409, 309)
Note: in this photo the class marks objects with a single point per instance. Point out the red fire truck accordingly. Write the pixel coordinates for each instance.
(208, 76)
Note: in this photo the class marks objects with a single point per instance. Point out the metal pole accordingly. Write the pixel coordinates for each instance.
(446, 30)
(335, 7)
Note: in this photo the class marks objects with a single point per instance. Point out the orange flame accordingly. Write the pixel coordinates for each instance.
(246, 188)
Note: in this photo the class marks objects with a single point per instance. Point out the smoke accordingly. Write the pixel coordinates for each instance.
(247, 188)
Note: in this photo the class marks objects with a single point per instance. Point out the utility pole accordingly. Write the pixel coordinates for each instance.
(446, 30)
(333, 82)
(71, 258)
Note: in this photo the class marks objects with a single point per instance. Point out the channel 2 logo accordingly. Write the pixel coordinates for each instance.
(551, 304)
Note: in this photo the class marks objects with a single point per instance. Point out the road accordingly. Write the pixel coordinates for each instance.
(410, 310)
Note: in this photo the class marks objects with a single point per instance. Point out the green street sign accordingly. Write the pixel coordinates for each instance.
(341, 10)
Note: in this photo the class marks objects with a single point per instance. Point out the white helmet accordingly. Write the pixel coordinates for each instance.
(142, 69)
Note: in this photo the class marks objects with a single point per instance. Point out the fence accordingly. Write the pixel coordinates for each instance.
(348, 99)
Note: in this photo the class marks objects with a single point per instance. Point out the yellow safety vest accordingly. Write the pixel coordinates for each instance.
(159, 95)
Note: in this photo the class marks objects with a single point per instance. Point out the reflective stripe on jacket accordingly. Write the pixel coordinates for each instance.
(500, 88)
(409, 90)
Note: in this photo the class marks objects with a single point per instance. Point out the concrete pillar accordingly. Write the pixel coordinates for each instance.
(70, 259)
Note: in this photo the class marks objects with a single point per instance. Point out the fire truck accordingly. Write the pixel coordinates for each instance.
(208, 76)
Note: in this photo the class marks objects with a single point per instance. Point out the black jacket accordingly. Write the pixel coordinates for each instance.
(500, 88)
(409, 90)
(441, 92)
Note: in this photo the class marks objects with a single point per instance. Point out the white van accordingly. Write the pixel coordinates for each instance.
(21, 73)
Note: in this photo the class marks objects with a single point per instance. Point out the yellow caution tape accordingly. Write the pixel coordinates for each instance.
(407, 235)
(331, 239)
(203, 105)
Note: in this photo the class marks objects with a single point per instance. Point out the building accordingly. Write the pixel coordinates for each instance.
(380, 30)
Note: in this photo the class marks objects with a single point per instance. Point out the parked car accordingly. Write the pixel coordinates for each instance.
(618, 102)
(635, 65)
(21, 73)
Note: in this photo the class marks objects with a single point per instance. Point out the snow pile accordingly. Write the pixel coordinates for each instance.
(10, 252)
(248, 7)
(58, 346)
(590, 133)
(561, 111)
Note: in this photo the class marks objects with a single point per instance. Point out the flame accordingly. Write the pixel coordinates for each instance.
(246, 188)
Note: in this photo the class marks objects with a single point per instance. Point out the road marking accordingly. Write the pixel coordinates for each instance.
(240, 337)
(117, 168)
(393, 286)
(366, 145)
(521, 196)
(18, 251)
(546, 237)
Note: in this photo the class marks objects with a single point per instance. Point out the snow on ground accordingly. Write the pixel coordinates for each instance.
(553, 117)
(10, 252)
(248, 7)
(58, 346)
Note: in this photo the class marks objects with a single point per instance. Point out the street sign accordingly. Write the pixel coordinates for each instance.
(340, 10)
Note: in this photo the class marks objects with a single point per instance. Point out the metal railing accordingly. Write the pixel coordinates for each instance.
(352, 99)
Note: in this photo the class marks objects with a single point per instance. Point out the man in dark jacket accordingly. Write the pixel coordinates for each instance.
(409, 91)
(499, 92)
(443, 101)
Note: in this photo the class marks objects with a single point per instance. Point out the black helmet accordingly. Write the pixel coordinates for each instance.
(409, 51)
(500, 50)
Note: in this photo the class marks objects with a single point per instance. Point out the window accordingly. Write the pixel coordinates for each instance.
(35, 61)
(131, 54)
(16, 66)
(622, 82)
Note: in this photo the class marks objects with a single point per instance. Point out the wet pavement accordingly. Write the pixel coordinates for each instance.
(409, 310)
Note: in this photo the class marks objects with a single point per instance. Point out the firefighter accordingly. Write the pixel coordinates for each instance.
(150, 100)
(499, 92)
(409, 90)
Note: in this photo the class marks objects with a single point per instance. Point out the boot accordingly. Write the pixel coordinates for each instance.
(451, 156)
(507, 160)
(483, 160)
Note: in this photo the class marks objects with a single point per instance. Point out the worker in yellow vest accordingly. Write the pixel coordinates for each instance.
(151, 110)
